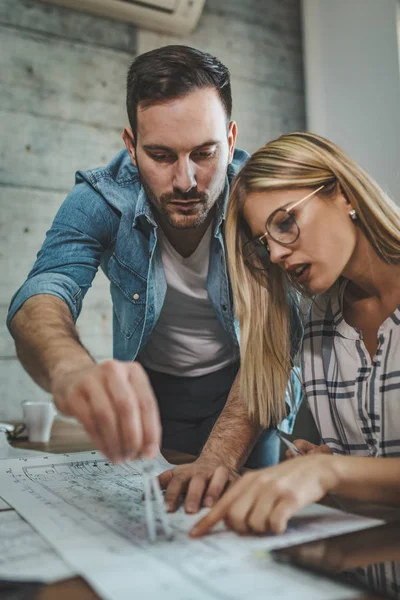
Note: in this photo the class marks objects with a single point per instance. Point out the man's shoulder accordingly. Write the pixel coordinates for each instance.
(118, 182)
(119, 170)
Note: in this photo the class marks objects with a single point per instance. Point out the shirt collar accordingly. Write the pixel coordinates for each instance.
(143, 209)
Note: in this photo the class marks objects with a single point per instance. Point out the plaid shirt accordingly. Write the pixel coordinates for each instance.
(383, 578)
(355, 401)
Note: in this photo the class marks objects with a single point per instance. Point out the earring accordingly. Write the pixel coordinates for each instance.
(353, 215)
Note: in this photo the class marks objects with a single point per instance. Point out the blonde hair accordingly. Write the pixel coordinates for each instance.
(264, 302)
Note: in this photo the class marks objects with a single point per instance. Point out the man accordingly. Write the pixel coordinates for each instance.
(153, 219)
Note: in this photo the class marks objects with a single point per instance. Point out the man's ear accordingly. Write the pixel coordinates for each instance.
(129, 140)
(232, 135)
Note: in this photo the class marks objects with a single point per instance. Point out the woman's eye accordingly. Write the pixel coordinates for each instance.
(285, 224)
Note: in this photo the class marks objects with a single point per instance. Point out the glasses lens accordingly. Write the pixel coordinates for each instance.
(282, 227)
(256, 255)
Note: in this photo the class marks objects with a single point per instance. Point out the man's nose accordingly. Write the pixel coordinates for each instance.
(184, 175)
(278, 252)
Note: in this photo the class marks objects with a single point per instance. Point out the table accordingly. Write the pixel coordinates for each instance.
(381, 542)
(69, 436)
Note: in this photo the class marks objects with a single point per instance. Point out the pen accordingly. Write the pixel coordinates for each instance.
(290, 445)
(297, 452)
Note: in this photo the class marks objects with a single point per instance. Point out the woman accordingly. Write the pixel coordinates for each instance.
(305, 220)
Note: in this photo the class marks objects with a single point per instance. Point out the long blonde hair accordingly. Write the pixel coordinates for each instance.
(264, 301)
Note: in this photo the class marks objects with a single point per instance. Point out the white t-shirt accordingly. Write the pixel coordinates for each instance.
(187, 340)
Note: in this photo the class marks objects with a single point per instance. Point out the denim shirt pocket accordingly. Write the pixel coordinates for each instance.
(128, 292)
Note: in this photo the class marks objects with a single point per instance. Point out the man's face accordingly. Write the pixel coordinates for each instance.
(182, 151)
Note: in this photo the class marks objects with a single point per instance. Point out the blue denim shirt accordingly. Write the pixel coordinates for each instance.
(107, 221)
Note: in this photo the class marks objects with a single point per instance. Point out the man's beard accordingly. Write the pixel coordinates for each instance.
(183, 221)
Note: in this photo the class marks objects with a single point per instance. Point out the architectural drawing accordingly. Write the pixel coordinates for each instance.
(92, 512)
(25, 555)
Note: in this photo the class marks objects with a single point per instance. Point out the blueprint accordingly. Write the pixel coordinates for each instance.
(4, 505)
(25, 555)
(91, 512)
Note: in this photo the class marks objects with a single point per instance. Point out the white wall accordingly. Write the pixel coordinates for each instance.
(62, 108)
(352, 79)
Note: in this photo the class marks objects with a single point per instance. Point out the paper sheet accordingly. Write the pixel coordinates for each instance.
(25, 555)
(91, 511)
(4, 505)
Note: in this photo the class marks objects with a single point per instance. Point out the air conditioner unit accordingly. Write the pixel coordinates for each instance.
(168, 16)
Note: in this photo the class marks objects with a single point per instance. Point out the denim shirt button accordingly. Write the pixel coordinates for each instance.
(136, 296)
(224, 307)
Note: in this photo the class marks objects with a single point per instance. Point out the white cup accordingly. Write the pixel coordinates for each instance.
(38, 418)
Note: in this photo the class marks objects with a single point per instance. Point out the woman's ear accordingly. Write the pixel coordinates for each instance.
(341, 191)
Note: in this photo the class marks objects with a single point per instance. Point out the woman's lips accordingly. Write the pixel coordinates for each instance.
(304, 275)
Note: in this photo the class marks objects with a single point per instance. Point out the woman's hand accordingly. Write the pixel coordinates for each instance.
(263, 501)
(305, 447)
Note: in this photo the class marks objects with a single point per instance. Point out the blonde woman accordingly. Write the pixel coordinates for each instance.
(304, 219)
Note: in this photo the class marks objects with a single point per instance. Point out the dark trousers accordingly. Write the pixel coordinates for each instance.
(189, 407)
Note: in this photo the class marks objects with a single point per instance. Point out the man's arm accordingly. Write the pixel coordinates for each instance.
(234, 435)
(46, 340)
(225, 452)
(112, 400)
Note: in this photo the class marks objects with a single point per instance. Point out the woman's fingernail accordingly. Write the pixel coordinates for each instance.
(209, 501)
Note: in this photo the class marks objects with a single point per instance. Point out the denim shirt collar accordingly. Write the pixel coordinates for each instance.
(143, 209)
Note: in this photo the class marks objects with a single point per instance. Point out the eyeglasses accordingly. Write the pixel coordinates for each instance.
(281, 227)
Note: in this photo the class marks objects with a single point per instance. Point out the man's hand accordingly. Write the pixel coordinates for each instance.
(305, 447)
(203, 481)
(115, 404)
(264, 500)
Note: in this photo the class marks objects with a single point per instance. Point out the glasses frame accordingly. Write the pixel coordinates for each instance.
(260, 238)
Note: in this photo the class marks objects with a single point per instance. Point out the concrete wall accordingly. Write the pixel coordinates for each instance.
(62, 88)
(353, 81)
(260, 42)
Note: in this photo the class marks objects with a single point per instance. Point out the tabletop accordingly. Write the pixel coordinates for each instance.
(369, 558)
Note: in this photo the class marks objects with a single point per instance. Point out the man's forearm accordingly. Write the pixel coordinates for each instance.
(234, 434)
(47, 341)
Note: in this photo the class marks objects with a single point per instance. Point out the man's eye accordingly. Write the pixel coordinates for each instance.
(162, 157)
(205, 154)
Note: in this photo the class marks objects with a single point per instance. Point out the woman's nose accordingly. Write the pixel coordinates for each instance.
(278, 252)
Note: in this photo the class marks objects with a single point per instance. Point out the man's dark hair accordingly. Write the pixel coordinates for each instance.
(172, 72)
